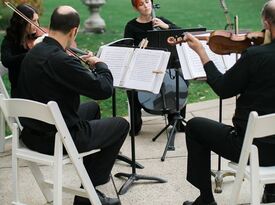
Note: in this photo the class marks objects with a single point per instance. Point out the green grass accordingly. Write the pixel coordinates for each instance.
(185, 13)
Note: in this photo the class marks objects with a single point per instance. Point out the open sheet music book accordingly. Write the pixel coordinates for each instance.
(135, 68)
(191, 64)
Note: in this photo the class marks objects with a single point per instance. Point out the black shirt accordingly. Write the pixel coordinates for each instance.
(11, 56)
(252, 78)
(138, 31)
(49, 73)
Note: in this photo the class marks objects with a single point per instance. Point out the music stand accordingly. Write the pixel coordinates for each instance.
(123, 42)
(159, 39)
(132, 177)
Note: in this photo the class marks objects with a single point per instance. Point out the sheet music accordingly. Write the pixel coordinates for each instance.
(140, 75)
(117, 59)
(133, 68)
(191, 64)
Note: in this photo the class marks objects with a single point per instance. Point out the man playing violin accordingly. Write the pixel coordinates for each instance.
(49, 73)
(17, 42)
(252, 79)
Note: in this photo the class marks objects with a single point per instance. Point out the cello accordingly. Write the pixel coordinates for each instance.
(165, 101)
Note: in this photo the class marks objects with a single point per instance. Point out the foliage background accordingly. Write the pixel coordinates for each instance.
(185, 13)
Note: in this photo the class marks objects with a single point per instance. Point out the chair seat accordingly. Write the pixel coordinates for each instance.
(265, 173)
(25, 153)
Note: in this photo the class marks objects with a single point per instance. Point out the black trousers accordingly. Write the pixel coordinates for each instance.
(105, 134)
(205, 135)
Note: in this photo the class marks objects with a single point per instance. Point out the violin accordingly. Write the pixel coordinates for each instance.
(224, 42)
(31, 39)
(42, 31)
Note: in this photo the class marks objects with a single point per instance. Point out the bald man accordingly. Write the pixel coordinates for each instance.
(253, 79)
(49, 73)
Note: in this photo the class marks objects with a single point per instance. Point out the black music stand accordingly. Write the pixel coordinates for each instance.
(122, 42)
(159, 39)
(134, 176)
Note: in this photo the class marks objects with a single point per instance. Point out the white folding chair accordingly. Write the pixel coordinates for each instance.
(49, 113)
(3, 138)
(257, 127)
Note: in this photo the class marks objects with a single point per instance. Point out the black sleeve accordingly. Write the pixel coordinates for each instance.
(128, 32)
(97, 85)
(170, 24)
(233, 82)
(8, 59)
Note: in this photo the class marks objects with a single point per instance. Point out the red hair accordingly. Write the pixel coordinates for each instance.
(136, 2)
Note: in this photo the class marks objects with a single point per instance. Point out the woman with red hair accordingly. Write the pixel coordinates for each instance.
(137, 29)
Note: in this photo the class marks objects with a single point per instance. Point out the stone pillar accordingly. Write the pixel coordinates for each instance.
(94, 23)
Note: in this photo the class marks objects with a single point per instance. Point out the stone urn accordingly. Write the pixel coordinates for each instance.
(94, 24)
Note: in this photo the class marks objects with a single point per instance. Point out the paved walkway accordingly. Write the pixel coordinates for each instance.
(148, 153)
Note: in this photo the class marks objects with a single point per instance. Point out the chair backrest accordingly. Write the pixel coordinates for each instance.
(50, 113)
(3, 89)
(257, 127)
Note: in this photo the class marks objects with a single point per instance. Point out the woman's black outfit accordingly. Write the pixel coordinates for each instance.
(138, 31)
(12, 55)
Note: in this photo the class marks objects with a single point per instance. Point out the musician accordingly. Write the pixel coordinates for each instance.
(253, 79)
(137, 29)
(49, 73)
(16, 42)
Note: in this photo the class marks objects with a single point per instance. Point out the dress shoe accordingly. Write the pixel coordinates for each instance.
(78, 200)
(198, 201)
(268, 197)
(138, 125)
(180, 127)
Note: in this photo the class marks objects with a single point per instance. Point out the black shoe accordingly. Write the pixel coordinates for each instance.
(268, 197)
(198, 201)
(180, 127)
(138, 125)
(78, 200)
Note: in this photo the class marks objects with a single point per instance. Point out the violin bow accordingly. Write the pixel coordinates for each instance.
(12, 7)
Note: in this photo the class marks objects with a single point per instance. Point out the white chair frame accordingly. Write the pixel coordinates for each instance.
(49, 113)
(3, 138)
(257, 127)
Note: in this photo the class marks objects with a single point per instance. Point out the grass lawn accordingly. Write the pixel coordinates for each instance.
(185, 13)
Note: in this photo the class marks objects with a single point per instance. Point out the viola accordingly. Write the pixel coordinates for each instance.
(225, 42)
